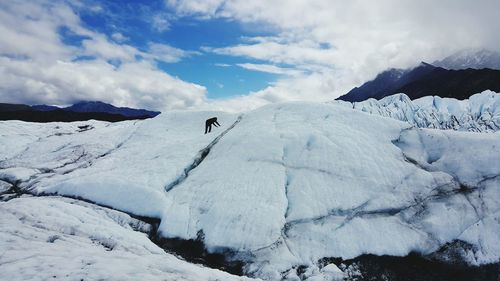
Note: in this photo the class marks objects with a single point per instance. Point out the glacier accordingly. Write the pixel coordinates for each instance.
(479, 113)
(58, 238)
(280, 187)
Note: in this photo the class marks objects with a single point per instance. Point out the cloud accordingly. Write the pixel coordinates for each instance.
(118, 37)
(280, 50)
(160, 22)
(36, 66)
(222, 64)
(300, 88)
(167, 53)
(137, 84)
(205, 8)
(345, 43)
(269, 68)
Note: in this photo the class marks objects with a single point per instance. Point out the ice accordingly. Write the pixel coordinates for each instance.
(288, 184)
(54, 238)
(4, 186)
(480, 113)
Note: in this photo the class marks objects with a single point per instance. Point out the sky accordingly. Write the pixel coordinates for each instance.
(228, 55)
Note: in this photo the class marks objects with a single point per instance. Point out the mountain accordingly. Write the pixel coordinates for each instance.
(471, 58)
(97, 106)
(292, 191)
(60, 115)
(426, 80)
(479, 113)
(78, 112)
(387, 82)
(43, 107)
(9, 107)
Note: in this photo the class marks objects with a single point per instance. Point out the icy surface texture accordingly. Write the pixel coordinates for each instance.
(480, 113)
(45, 238)
(284, 185)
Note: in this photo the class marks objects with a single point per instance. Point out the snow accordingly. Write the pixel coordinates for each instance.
(45, 238)
(471, 58)
(286, 184)
(480, 113)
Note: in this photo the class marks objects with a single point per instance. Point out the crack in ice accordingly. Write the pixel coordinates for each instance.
(202, 154)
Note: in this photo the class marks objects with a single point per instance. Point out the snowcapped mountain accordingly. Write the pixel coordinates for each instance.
(479, 113)
(295, 191)
(387, 82)
(471, 58)
(457, 76)
(427, 79)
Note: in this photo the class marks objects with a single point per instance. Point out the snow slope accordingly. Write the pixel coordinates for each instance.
(64, 239)
(480, 113)
(283, 185)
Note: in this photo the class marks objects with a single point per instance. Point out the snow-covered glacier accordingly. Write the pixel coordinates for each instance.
(279, 188)
(479, 113)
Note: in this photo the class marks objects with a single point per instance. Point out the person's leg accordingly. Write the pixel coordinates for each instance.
(209, 128)
(206, 128)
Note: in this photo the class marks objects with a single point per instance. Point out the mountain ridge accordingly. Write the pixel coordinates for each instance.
(427, 79)
(80, 111)
(470, 58)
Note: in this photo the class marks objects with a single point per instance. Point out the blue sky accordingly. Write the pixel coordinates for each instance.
(218, 73)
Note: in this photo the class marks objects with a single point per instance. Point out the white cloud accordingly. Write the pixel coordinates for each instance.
(100, 47)
(136, 84)
(269, 68)
(37, 67)
(314, 87)
(118, 37)
(168, 53)
(280, 50)
(222, 64)
(160, 22)
(201, 7)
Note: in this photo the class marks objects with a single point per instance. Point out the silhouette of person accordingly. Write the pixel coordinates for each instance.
(209, 123)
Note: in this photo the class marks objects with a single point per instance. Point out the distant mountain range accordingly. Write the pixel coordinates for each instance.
(97, 106)
(78, 112)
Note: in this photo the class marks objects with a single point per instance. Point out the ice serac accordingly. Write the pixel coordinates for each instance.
(479, 113)
(290, 183)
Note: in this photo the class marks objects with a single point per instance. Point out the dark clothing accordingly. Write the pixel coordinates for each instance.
(209, 123)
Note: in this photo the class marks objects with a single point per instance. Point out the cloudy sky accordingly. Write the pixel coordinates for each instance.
(223, 54)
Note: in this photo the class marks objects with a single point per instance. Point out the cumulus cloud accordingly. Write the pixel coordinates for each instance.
(136, 84)
(36, 66)
(345, 43)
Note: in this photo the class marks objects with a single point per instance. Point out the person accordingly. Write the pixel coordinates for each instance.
(209, 123)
